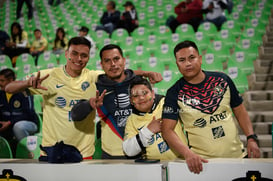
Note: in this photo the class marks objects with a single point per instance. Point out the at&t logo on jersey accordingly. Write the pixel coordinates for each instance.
(60, 102)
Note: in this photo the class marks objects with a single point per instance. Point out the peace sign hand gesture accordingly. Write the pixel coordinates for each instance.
(36, 82)
(98, 100)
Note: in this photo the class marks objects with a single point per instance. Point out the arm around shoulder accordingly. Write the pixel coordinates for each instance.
(81, 110)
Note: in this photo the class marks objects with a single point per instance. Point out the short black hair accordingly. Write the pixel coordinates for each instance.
(8, 73)
(110, 47)
(139, 80)
(185, 44)
(37, 30)
(79, 41)
(113, 4)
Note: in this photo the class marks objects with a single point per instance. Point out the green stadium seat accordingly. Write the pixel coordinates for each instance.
(62, 59)
(170, 74)
(220, 50)
(128, 44)
(240, 59)
(252, 34)
(151, 43)
(211, 63)
(23, 60)
(163, 33)
(227, 38)
(100, 37)
(202, 40)
(140, 34)
(5, 62)
(239, 78)
(249, 47)
(234, 27)
(209, 29)
(29, 147)
(119, 35)
(185, 30)
(21, 72)
(47, 60)
(38, 101)
(5, 150)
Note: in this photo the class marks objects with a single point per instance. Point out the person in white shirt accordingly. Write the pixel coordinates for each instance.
(83, 32)
(214, 10)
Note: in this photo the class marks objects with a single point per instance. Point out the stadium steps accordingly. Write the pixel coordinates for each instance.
(259, 99)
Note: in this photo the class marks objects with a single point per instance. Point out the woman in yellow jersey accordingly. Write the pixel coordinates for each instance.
(143, 127)
(19, 41)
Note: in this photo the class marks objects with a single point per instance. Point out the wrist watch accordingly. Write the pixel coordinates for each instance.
(254, 137)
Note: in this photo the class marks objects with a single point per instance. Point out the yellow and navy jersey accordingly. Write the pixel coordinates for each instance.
(206, 112)
(158, 148)
(63, 93)
(114, 112)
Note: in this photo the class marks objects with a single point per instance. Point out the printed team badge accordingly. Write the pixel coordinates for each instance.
(218, 132)
(85, 85)
(16, 104)
(218, 91)
(163, 147)
(7, 174)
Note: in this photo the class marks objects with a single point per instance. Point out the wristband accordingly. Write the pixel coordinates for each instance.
(254, 137)
(140, 143)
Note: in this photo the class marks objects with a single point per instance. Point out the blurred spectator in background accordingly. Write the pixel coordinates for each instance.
(188, 11)
(60, 42)
(51, 2)
(129, 19)
(229, 6)
(83, 32)
(39, 45)
(18, 43)
(214, 10)
(17, 115)
(110, 18)
(4, 39)
(19, 8)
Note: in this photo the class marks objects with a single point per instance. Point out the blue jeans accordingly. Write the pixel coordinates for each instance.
(109, 27)
(218, 21)
(24, 128)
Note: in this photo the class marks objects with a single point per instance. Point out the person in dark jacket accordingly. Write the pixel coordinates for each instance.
(115, 107)
(110, 18)
(129, 19)
(17, 115)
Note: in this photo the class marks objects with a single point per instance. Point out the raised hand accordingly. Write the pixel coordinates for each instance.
(36, 82)
(98, 100)
(155, 125)
(154, 77)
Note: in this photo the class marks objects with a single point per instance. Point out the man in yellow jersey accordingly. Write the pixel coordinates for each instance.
(62, 88)
(205, 102)
(143, 127)
(116, 104)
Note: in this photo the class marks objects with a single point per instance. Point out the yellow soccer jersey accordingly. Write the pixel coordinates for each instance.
(24, 38)
(158, 148)
(62, 94)
(37, 44)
